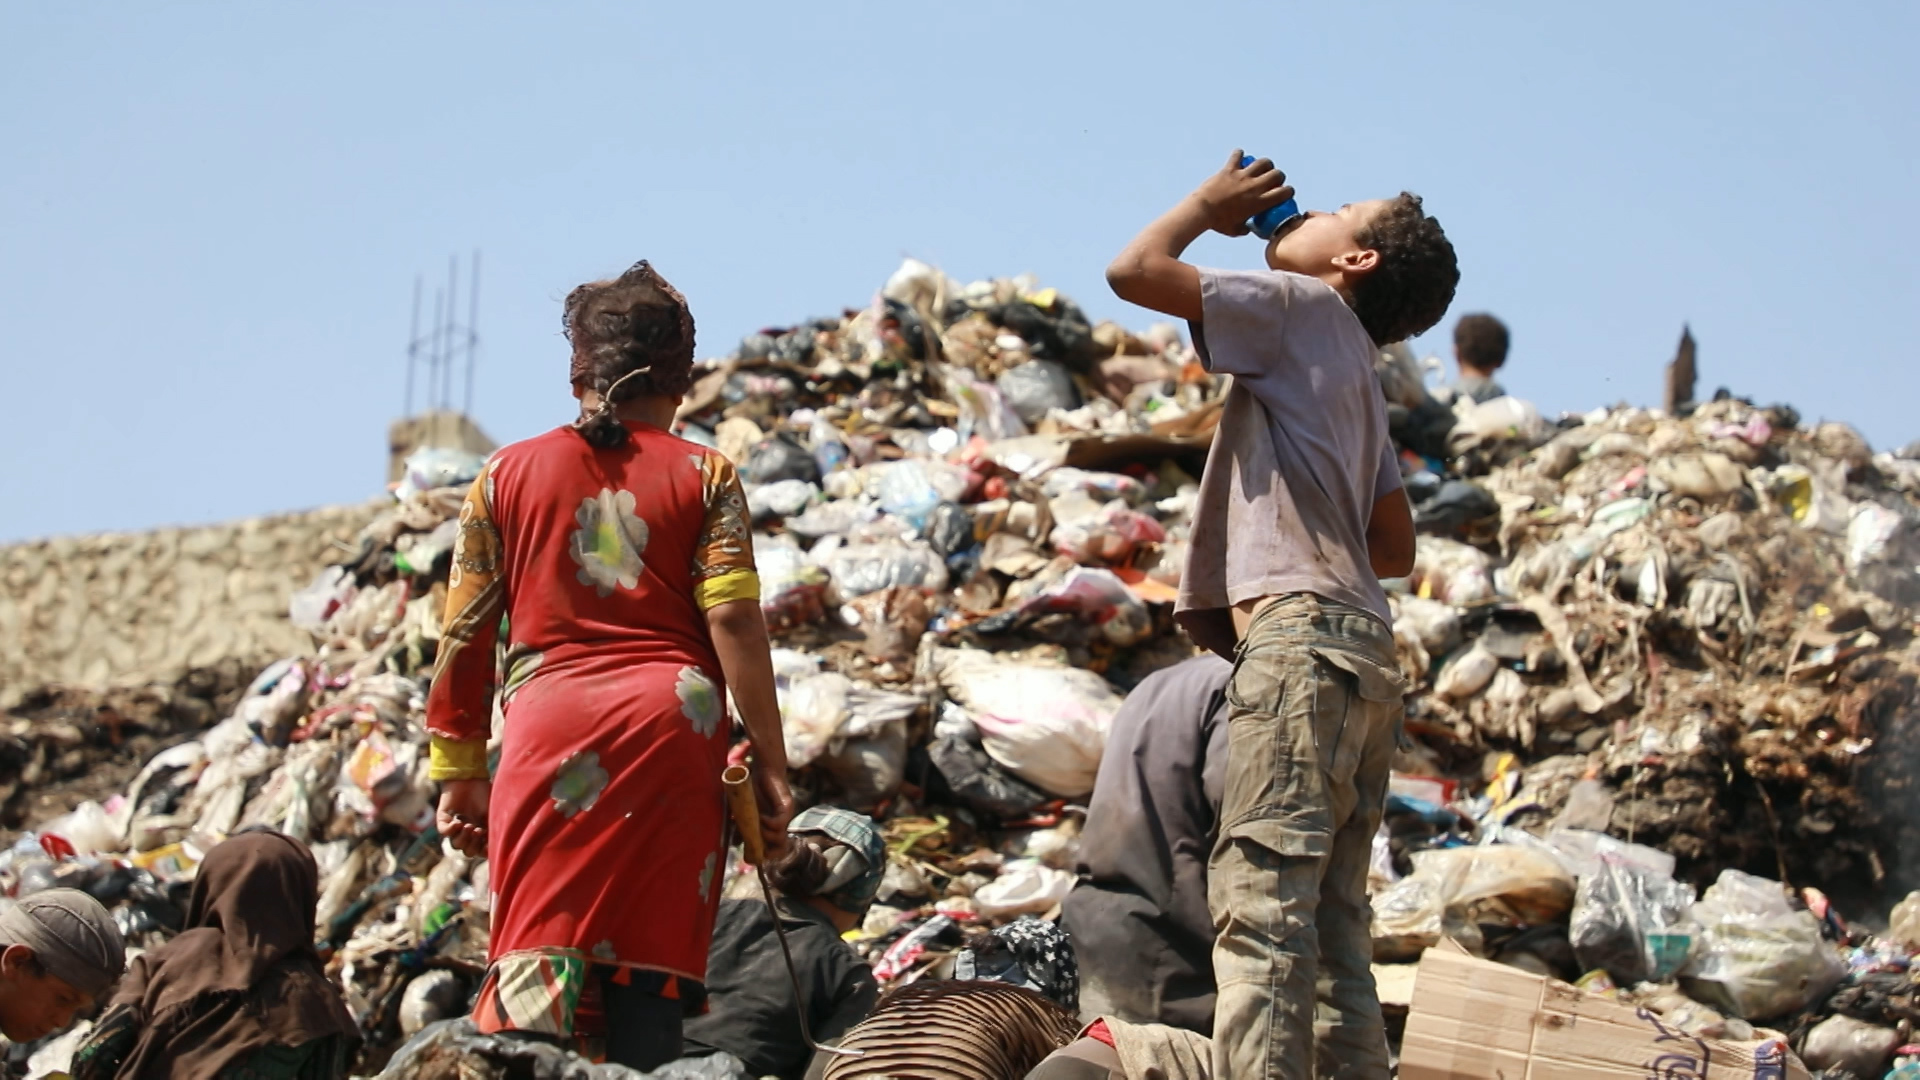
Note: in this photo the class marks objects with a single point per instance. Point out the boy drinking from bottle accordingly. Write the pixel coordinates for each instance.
(1301, 512)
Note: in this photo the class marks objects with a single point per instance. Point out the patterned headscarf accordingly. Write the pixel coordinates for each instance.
(856, 862)
(1026, 952)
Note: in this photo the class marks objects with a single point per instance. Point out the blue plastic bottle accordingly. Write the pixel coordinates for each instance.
(1268, 222)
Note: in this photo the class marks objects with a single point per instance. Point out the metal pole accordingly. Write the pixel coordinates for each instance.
(453, 321)
(413, 343)
(433, 365)
(473, 332)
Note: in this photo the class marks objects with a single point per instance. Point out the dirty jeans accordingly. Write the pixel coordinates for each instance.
(1314, 712)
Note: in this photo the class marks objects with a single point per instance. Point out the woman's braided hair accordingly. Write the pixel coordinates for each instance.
(631, 336)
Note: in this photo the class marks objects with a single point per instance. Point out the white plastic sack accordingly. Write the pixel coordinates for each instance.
(1451, 571)
(1700, 476)
(1870, 534)
(432, 467)
(1757, 957)
(1024, 887)
(1452, 890)
(812, 711)
(1047, 725)
(1502, 418)
(88, 828)
(1432, 623)
(782, 498)
(1466, 674)
(311, 607)
(858, 569)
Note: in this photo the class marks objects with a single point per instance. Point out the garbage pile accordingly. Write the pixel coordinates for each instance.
(1653, 654)
(1655, 657)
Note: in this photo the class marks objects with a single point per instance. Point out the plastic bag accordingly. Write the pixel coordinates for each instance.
(868, 770)
(1435, 625)
(1102, 486)
(432, 467)
(858, 569)
(834, 518)
(1700, 476)
(1506, 418)
(1451, 571)
(1100, 597)
(792, 590)
(1024, 887)
(1841, 1043)
(276, 701)
(781, 499)
(812, 711)
(1631, 921)
(1453, 890)
(1904, 924)
(1038, 387)
(779, 458)
(1110, 538)
(1757, 958)
(1870, 534)
(311, 607)
(977, 782)
(89, 829)
(983, 408)
(949, 529)
(433, 996)
(908, 492)
(1456, 506)
(829, 446)
(1815, 500)
(893, 620)
(1466, 674)
(453, 1047)
(920, 286)
(1047, 725)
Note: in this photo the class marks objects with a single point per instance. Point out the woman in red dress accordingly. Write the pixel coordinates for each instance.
(622, 561)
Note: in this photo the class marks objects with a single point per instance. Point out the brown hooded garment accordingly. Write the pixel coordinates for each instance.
(242, 978)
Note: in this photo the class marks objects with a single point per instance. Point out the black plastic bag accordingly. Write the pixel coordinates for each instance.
(780, 458)
(1632, 922)
(1455, 509)
(949, 529)
(977, 782)
(1037, 387)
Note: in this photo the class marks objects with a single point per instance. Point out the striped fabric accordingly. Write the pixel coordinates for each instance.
(535, 992)
(955, 1031)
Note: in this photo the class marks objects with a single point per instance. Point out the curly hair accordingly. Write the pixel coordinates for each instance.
(1482, 341)
(631, 336)
(1408, 292)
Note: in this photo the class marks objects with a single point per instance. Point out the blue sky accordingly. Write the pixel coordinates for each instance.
(211, 215)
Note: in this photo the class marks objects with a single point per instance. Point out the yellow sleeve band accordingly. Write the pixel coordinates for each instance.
(725, 588)
(456, 759)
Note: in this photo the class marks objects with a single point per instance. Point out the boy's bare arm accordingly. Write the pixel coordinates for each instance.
(1390, 543)
(1149, 271)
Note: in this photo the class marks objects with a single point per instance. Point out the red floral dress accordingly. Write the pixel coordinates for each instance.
(606, 829)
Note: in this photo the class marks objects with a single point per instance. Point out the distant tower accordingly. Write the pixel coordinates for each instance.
(447, 347)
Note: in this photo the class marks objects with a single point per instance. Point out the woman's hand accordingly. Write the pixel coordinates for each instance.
(776, 808)
(462, 817)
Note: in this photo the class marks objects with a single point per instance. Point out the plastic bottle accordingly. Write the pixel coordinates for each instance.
(1267, 222)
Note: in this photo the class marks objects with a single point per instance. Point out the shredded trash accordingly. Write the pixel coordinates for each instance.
(1654, 656)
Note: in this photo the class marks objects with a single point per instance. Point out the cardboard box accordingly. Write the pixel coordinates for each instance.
(1476, 1018)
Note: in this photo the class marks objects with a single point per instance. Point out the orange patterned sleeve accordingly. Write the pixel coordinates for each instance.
(460, 702)
(723, 568)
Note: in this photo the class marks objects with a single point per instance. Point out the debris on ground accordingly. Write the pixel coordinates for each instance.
(1665, 673)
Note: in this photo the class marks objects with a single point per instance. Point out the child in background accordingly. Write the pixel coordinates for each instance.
(1480, 349)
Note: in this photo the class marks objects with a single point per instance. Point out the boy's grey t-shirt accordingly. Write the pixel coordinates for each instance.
(1300, 456)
